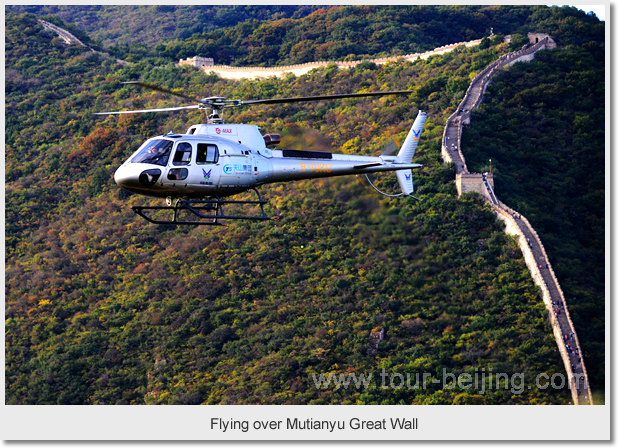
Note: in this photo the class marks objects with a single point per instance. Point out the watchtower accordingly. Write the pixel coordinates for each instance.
(197, 61)
(535, 38)
(466, 182)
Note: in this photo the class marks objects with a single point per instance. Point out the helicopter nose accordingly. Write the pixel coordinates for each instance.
(134, 176)
(126, 177)
(121, 177)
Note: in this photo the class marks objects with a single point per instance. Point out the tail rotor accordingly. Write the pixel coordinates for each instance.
(404, 156)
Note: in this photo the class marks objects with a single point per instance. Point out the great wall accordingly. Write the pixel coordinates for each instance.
(70, 39)
(532, 248)
(482, 183)
(226, 71)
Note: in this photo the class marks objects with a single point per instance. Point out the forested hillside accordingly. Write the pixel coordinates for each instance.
(146, 26)
(281, 35)
(543, 126)
(102, 307)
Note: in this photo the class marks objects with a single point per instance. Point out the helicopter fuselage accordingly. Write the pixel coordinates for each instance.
(224, 160)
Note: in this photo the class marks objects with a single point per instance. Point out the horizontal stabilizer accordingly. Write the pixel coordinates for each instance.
(367, 165)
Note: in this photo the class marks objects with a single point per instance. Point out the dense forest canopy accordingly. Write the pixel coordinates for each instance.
(113, 25)
(104, 308)
(254, 35)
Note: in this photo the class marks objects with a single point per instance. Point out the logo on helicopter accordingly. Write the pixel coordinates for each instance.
(228, 169)
(223, 131)
(417, 135)
(207, 174)
(408, 176)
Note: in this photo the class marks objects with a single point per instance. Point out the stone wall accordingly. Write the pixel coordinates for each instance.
(454, 122)
(226, 71)
(63, 34)
(472, 98)
(474, 94)
(70, 39)
(514, 227)
(516, 224)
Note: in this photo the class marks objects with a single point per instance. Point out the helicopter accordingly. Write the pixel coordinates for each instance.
(195, 172)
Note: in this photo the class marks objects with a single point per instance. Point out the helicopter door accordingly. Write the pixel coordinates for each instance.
(207, 170)
(177, 174)
(229, 168)
(246, 171)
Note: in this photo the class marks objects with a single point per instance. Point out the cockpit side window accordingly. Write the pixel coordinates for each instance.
(156, 151)
(183, 154)
(207, 153)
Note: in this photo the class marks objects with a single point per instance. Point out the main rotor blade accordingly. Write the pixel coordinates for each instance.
(325, 97)
(147, 110)
(161, 89)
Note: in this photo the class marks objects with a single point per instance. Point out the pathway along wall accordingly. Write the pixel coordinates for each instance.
(70, 39)
(472, 99)
(516, 224)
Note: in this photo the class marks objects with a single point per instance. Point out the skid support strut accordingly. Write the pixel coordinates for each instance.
(207, 212)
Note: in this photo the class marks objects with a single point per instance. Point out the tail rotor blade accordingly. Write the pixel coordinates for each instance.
(396, 140)
(391, 148)
(360, 180)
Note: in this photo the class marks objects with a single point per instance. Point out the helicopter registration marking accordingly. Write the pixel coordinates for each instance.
(316, 167)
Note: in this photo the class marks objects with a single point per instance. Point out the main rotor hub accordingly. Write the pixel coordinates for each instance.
(215, 104)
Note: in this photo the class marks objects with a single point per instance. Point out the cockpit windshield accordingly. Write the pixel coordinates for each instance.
(155, 151)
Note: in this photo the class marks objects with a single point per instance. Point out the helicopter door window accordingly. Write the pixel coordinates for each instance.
(178, 174)
(155, 151)
(207, 154)
(183, 154)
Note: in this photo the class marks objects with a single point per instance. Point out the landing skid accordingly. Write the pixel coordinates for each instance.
(195, 209)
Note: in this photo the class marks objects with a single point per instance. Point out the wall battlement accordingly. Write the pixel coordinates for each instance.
(226, 71)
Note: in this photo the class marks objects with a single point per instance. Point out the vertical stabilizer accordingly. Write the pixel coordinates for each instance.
(406, 153)
(405, 181)
(409, 145)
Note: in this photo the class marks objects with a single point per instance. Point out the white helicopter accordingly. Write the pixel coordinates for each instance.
(193, 171)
